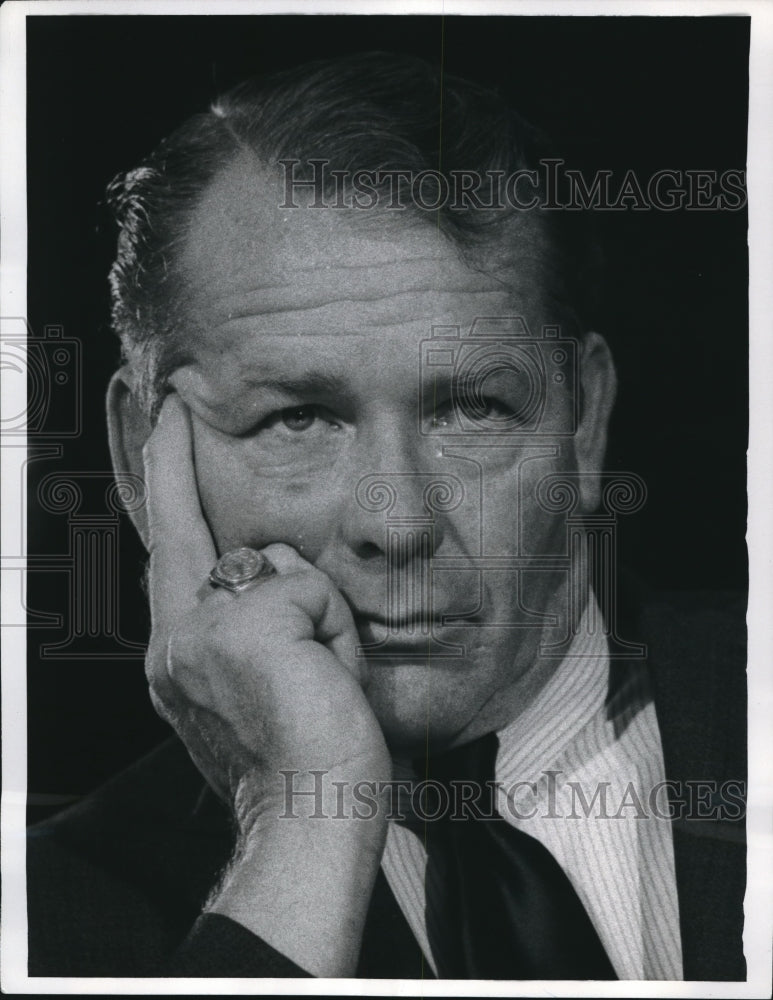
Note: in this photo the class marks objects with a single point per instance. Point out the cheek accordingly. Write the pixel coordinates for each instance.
(245, 507)
(515, 523)
(502, 512)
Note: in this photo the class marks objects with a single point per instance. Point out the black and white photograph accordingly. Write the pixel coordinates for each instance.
(386, 498)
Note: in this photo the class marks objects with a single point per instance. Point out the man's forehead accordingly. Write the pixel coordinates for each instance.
(251, 265)
(242, 211)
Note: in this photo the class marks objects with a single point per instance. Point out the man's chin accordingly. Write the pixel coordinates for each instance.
(419, 704)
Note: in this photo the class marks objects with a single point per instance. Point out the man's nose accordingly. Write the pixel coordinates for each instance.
(399, 499)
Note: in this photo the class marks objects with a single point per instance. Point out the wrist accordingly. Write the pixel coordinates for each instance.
(353, 791)
(304, 885)
(302, 877)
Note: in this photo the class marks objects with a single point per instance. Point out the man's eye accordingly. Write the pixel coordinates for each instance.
(304, 418)
(493, 409)
(443, 415)
(480, 410)
(299, 418)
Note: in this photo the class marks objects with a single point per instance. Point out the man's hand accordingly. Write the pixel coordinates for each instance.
(256, 683)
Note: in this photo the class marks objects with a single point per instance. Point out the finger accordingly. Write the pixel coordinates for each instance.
(283, 558)
(286, 559)
(181, 548)
(313, 593)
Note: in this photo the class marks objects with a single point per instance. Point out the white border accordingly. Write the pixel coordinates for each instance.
(758, 934)
(576, 8)
(13, 302)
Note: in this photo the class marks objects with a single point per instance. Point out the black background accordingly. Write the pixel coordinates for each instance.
(615, 93)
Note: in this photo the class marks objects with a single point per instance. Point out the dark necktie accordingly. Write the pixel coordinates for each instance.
(509, 911)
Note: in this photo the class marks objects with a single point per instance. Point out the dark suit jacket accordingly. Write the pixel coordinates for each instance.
(116, 883)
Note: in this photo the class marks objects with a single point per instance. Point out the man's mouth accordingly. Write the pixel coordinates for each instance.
(402, 635)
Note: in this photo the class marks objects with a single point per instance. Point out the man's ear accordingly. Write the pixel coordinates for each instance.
(598, 385)
(128, 430)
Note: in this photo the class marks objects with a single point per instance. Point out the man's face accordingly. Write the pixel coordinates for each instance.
(309, 387)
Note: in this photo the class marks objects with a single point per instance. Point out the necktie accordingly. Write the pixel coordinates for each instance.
(509, 910)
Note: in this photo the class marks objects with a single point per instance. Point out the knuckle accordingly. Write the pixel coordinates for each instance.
(176, 669)
(159, 705)
(233, 643)
(183, 651)
(285, 558)
(213, 641)
(280, 549)
(154, 659)
(150, 448)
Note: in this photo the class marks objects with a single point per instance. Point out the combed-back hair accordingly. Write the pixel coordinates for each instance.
(371, 112)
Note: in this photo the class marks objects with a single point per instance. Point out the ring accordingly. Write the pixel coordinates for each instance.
(240, 568)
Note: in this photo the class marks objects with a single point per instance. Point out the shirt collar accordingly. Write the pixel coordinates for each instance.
(575, 693)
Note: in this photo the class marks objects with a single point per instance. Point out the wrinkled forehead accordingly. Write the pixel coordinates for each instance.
(241, 219)
(247, 254)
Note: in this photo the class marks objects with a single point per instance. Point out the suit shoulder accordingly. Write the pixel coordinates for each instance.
(115, 882)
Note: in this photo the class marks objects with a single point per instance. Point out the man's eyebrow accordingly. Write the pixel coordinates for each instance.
(311, 383)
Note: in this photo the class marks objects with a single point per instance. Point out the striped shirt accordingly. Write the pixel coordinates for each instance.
(578, 774)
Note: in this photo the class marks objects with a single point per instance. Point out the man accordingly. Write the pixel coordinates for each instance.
(355, 416)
